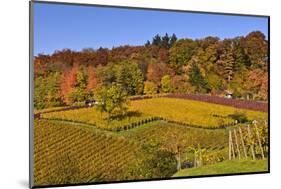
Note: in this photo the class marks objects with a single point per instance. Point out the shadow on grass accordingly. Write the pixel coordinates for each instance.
(128, 115)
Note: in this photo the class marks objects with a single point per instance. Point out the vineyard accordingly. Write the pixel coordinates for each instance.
(209, 139)
(162, 134)
(156, 139)
(68, 153)
(193, 113)
(247, 152)
(237, 103)
(174, 106)
(93, 117)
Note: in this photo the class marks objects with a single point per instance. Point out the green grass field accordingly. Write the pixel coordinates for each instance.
(226, 167)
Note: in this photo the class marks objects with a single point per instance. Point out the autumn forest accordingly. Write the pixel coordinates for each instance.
(164, 64)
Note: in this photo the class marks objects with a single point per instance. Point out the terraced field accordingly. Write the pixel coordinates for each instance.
(189, 112)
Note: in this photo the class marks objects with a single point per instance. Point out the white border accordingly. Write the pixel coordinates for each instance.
(14, 97)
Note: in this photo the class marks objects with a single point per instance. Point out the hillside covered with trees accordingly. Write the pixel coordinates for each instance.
(165, 64)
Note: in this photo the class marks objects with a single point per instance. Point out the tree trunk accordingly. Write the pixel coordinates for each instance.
(178, 158)
(195, 160)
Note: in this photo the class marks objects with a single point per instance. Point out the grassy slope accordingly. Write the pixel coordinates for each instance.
(226, 167)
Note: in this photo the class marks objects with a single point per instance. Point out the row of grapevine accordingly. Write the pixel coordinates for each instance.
(145, 121)
(221, 126)
(212, 143)
(68, 154)
(135, 124)
(244, 104)
(200, 156)
(92, 117)
(160, 133)
(37, 114)
(152, 119)
(238, 103)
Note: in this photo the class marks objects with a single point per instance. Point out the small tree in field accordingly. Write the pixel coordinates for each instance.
(101, 96)
(149, 88)
(112, 100)
(166, 84)
(176, 145)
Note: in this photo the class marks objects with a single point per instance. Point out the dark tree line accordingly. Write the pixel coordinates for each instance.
(164, 42)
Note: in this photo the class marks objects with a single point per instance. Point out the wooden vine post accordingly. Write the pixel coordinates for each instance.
(201, 159)
(242, 141)
(231, 152)
(229, 146)
(232, 146)
(237, 145)
(251, 145)
(195, 160)
(259, 140)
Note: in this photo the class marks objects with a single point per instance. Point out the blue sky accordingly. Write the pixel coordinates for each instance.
(58, 26)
